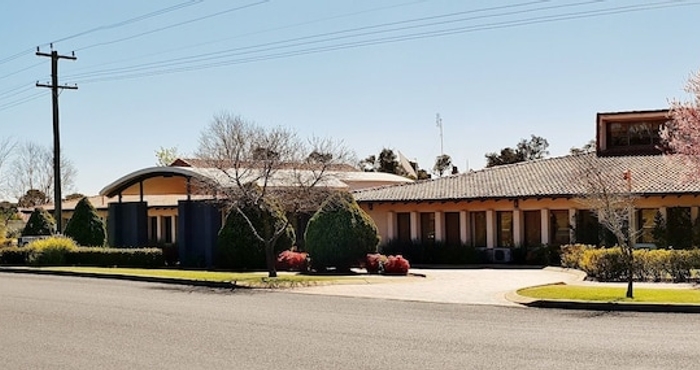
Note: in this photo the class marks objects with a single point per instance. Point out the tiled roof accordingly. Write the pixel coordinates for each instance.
(552, 177)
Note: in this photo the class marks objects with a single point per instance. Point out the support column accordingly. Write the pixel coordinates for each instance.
(390, 222)
(159, 228)
(545, 231)
(517, 227)
(490, 228)
(439, 227)
(464, 227)
(173, 229)
(415, 226)
(693, 214)
(572, 225)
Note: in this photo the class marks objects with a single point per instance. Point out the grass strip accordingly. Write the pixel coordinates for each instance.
(252, 279)
(612, 294)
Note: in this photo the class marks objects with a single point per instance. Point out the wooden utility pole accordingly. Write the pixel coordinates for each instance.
(54, 86)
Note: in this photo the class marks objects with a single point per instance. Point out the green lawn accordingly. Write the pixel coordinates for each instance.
(612, 294)
(253, 279)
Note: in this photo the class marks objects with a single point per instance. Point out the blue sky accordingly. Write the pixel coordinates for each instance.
(496, 71)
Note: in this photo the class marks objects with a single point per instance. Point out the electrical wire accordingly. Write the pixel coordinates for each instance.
(106, 27)
(224, 53)
(154, 71)
(294, 25)
(21, 70)
(230, 10)
(24, 100)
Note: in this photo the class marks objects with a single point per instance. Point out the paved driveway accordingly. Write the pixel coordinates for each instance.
(469, 286)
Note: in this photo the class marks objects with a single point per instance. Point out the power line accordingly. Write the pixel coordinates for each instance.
(231, 52)
(230, 10)
(20, 71)
(106, 27)
(294, 25)
(154, 71)
(18, 102)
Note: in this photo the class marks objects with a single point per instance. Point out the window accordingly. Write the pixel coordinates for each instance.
(452, 228)
(559, 227)
(477, 222)
(167, 229)
(634, 133)
(403, 226)
(645, 225)
(427, 227)
(153, 229)
(533, 227)
(504, 227)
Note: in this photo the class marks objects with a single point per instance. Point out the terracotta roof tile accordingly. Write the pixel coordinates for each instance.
(558, 176)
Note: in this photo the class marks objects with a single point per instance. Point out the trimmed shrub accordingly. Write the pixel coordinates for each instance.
(50, 251)
(238, 248)
(292, 261)
(396, 265)
(40, 223)
(85, 226)
(340, 234)
(116, 257)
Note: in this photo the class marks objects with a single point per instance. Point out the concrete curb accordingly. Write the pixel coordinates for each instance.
(578, 274)
(145, 279)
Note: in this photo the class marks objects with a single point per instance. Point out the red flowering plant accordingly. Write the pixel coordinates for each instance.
(396, 265)
(292, 261)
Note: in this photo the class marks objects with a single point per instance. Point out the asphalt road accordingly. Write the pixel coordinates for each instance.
(74, 323)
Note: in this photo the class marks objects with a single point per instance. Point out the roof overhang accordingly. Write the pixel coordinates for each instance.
(136, 177)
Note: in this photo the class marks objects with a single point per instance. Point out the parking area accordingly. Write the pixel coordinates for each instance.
(468, 286)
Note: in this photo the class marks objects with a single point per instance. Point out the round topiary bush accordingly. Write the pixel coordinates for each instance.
(40, 223)
(238, 248)
(85, 226)
(340, 234)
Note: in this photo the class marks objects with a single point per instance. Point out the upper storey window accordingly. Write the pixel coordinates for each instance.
(630, 133)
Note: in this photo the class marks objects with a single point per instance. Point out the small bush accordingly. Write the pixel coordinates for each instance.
(39, 223)
(50, 251)
(396, 265)
(292, 261)
(374, 263)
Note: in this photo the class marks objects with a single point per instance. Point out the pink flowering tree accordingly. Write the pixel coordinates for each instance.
(681, 135)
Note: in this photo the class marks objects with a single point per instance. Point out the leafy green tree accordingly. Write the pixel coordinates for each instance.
(166, 156)
(238, 248)
(525, 150)
(442, 163)
(340, 234)
(85, 226)
(40, 223)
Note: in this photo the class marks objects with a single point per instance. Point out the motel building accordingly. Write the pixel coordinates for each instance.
(538, 202)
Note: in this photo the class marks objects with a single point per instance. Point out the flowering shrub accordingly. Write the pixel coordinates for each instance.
(396, 265)
(292, 261)
(50, 251)
(374, 263)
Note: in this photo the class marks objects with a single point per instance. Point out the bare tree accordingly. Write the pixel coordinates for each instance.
(6, 148)
(609, 196)
(32, 169)
(265, 167)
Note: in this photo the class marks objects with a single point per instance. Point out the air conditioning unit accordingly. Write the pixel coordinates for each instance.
(500, 255)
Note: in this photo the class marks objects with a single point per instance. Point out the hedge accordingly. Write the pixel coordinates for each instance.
(608, 264)
(57, 251)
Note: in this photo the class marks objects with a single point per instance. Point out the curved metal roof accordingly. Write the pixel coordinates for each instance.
(135, 177)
